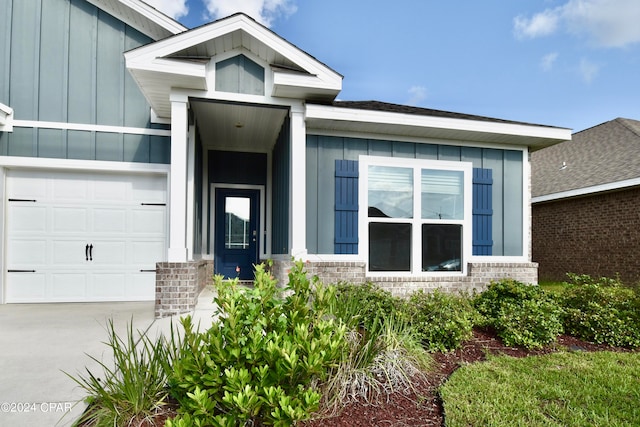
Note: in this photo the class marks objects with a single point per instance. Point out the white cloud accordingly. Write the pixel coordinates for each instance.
(588, 70)
(606, 23)
(548, 60)
(263, 11)
(418, 94)
(174, 8)
(541, 24)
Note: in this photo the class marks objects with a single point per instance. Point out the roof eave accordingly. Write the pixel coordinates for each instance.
(586, 191)
(389, 123)
(142, 17)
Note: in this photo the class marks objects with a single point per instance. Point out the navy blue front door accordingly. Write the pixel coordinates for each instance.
(236, 232)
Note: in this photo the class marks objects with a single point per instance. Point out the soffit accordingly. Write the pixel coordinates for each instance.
(238, 127)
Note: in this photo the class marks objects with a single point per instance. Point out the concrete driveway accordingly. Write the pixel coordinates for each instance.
(40, 341)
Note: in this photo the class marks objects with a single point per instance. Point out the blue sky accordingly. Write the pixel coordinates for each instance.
(567, 63)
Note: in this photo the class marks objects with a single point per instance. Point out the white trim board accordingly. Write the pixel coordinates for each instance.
(90, 127)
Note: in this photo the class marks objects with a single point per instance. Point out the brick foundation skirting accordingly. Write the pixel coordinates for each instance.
(478, 277)
(178, 285)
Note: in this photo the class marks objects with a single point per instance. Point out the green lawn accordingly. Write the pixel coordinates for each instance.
(560, 389)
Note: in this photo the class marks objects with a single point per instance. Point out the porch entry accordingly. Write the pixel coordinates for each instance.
(236, 232)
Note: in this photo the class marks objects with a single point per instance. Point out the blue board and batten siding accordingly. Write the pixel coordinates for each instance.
(62, 61)
(506, 189)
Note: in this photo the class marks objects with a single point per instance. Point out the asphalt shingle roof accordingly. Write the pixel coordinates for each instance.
(407, 109)
(603, 154)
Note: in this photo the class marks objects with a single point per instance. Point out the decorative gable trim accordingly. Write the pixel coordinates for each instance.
(181, 62)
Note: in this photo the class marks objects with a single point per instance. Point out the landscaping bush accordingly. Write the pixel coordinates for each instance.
(257, 363)
(602, 311)
(522, 315)
(441, 321)
(365, 305)
(133, 388)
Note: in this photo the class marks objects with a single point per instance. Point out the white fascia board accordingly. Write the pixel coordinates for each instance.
(305, 81)
(155, 15)
(323, 112)
(159, 65)
(602, 188)
(6, 118)
(151, 22)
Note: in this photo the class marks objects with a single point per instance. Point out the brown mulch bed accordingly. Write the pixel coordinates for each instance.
(422, 407)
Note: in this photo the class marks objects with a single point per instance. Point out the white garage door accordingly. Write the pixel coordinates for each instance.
(83, 237)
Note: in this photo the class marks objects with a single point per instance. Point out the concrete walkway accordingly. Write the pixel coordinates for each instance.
(39, 342)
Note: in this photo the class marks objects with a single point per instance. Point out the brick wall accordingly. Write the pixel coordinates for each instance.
(596, 235)
(479, 276)
(178, 285)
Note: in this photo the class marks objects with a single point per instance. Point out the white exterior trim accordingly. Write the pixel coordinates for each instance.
(90, 127)
(323, 112)
(611, 186)
(298, 185)
(82, 165)
(413, 139)
(178, 182)
(6, 118)
(150, 21)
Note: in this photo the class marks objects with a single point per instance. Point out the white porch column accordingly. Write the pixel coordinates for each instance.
(178, 180)
(297, 186)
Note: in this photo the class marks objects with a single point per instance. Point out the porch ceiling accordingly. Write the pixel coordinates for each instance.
(238, 127)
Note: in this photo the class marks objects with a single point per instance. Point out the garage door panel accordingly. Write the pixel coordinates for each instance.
(111, 189)
(26, 253)
(143, 283)
(109, 253)
(109, 286)
(149, 189)
(68, 188)
(109, 220)
(69, 286)
(27, 218)
(69, 253)
(72, 210)
(28, 187)
(69, 220)
(146, 254)
(149, 220)
(26, 287)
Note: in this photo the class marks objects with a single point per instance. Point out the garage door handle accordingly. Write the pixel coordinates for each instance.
(21, 271)
(88, 252)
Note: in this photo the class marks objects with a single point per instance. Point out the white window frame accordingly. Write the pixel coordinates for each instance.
(416, 245)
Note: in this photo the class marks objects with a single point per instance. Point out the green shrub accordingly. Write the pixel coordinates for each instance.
(134, 387)
(364, 305)
(441, 321)
(257, 363)
(602, 311)
(522, 315)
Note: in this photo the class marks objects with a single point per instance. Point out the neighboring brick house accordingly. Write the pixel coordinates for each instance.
(586, 204)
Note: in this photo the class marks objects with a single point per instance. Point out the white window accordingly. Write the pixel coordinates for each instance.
(418, 215)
